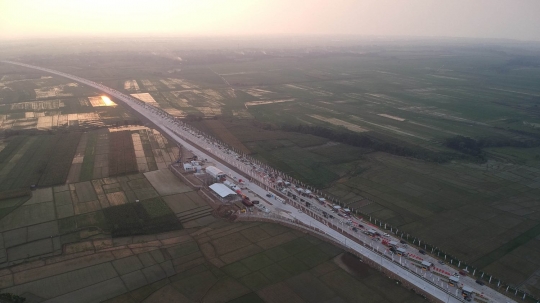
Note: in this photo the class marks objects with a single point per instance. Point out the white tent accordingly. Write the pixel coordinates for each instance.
(214, 172)
(222, 190)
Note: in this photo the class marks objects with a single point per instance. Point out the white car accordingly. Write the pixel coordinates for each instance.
(386, 235)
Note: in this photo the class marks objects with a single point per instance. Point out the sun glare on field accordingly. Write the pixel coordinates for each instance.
(107, 101)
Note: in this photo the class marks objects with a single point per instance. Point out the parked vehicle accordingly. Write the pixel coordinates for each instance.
(255, 201)
(422, 251)
(246, 202)
(480, 282)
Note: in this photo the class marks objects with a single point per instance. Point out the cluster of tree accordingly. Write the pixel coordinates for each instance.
(11, 298)
(466, 145)
(194, 117)
(369, 142)
(474, 147)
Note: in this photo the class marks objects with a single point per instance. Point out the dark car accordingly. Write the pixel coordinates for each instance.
(462, 272)
(360, 225)
(355, 229)
(422, 251)
(269, 195)
(255, 202)
(402, 241)
(480, 282)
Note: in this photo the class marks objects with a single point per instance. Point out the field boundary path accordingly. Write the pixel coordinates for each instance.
(194, 140)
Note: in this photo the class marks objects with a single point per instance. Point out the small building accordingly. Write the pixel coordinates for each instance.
(401, 252)
(426, 265)
(467, 291)
(188, 167)
(215, 172)
(393, 244)
(224, 193)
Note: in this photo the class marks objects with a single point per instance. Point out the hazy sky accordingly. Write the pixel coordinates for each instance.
(515, 19)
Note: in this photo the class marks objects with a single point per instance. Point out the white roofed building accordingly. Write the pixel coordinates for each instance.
(215, 172)
(224, 193)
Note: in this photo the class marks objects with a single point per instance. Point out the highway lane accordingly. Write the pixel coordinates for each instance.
(191, 140)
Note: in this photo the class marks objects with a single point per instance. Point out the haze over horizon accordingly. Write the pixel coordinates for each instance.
(502, 19)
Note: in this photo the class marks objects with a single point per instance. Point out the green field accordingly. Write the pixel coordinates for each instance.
(368, 124)
(481, 210)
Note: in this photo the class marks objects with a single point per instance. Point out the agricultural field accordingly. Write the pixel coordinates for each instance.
(121, 154)
(284, 266)
(30, 101)
(311, 116)
(47, 160)
(481, 210)
(40, 222)
(40, 161)
(167, 246)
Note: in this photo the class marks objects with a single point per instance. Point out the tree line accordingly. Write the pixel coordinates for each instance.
(475, 147)
(369, 142)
